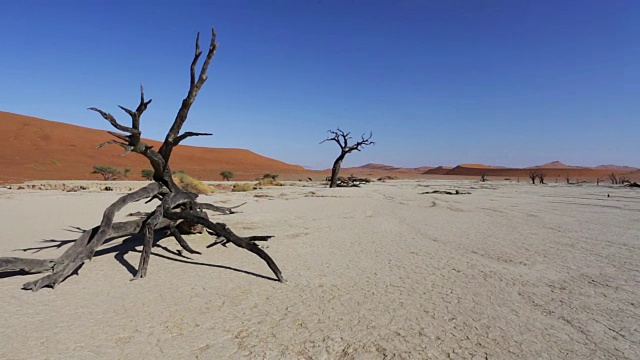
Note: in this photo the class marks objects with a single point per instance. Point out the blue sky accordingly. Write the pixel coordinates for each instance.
(513, 83)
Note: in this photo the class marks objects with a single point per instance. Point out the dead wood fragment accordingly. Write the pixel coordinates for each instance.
(446, 192)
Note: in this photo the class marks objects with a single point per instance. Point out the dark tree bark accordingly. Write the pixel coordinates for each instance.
(614, 178)
(176, 205)
(541, 176)
(533, 175)
(342, 139)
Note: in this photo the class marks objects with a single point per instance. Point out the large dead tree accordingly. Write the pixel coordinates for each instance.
(342, 139)
(176, 205)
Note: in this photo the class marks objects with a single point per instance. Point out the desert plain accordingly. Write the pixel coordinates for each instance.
(510, 270)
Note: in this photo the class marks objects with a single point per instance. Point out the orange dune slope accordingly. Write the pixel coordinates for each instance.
(36, 149)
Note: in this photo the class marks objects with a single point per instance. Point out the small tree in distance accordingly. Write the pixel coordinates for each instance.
(108, 173)
(342, 139)
(537, 174)
(226, 174)
(147, 174)
(533, 175)
(541, 176)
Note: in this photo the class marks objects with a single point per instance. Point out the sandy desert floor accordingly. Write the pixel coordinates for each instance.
(380, 272)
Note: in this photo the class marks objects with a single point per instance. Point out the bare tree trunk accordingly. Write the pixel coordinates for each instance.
(335, 170)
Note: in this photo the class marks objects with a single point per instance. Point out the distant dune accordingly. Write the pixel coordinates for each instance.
(36, 149)
(474, 166)
(440, 170)
(554, 174)
(616, 167)
(557, 165)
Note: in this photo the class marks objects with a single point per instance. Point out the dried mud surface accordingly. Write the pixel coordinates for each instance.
(379, 272)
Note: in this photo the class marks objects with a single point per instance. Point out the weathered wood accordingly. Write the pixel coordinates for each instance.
(445, 192)
(176, 205)
(31, 266)
(351, 181)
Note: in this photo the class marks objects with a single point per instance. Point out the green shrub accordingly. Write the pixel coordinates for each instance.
(226, 174)
(147, 174)
(107, 172)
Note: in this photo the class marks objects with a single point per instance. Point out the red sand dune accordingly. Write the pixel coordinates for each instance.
(557, 165)
(440, 170)
(554, 174)
(616, 167)
(36, 149)
(475, 166)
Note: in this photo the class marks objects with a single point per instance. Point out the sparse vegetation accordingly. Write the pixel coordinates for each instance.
(38, 166)
(55, 162)
(226, 174)
(268, 182)
(108, 173)
(242, 187)
(187, 183)
(147, 174)
(270, 176)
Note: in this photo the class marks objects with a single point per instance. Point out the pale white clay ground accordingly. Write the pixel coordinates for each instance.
(379, 272)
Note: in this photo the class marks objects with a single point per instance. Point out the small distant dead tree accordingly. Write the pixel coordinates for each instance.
(541, 176)
(177, 209)
(537, 174)
(568, 179)
(483, 177)
(342, 139)
(598, 180)
(614, 178)
(623, 180)
(533, 175)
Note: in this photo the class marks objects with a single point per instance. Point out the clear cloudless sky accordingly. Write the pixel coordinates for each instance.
(513, 83)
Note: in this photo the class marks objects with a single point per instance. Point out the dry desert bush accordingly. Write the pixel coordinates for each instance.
(268, 182)
(187, 183)
(241, 187)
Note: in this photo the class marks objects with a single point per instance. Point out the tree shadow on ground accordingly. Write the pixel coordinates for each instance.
(129, 244)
